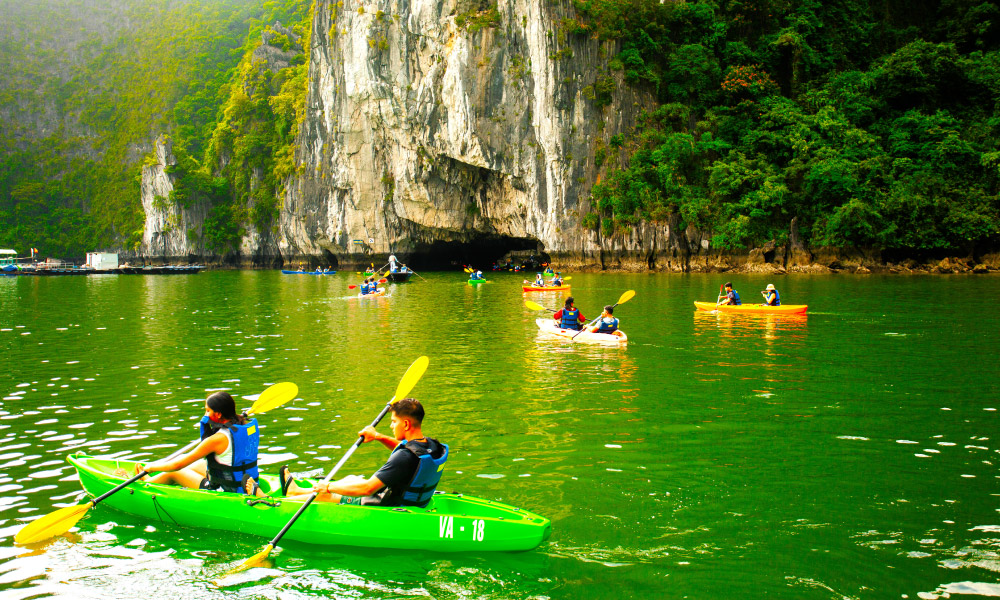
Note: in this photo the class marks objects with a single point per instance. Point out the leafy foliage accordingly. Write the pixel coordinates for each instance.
(82, 102)
(874, 127)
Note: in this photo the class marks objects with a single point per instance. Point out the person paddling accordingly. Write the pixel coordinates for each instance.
(557, 279)
(229, 443)
(408, 478)
(771, 297)
(476, 276)
(732, 297)
(539, 280)
(569, 316)
(608, 323)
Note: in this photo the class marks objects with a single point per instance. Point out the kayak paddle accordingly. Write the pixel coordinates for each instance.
(535, 306)
(60, 521)
(410, 379)
(624, 298)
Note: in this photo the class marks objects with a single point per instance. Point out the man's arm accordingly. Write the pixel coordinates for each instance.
(369, 434)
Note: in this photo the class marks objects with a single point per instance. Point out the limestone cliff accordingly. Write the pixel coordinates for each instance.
(435, 124)
(170, 231)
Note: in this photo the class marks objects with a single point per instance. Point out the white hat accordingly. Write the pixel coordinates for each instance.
(770, 286)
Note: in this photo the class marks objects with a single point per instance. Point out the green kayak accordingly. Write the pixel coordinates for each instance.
(477, 281)
(450, 523)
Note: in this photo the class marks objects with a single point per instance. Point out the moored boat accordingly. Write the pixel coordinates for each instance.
(554, 288)
(450, 523)
(548, 326)
(755, 309)
(399, 276)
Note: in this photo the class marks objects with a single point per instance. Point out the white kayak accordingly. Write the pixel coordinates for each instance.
(549, 327)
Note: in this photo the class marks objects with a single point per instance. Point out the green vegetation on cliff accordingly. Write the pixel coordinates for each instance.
(89, 85)
(873, 124)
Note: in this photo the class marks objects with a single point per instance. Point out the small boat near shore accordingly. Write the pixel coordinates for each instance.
(754, 309)
(450, 523)
(399, 276)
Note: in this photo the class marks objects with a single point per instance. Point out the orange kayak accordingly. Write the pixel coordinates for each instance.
(558, 288)
(755, 309)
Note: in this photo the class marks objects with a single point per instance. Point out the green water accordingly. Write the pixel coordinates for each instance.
(849, 454)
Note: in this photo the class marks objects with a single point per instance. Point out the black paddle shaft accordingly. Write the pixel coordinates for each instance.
(336, 468)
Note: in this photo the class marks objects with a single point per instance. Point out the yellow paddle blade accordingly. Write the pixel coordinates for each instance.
(533, 305)
(253, 561)
(411, 377)
(52, 524)
(567, 278)
(274, 396)
(626, 297)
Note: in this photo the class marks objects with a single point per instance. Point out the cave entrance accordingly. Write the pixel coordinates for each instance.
(481, 253)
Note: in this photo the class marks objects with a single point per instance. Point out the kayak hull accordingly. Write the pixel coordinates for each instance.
(307, 272)
(399, 277)
(477, 281)
(755, 309)
(558, 288)
(548, 326)
(450, 523)
(376, 294)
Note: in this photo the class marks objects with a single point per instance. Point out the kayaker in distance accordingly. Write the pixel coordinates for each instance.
(569, 316)
(477, 276)
(771, 297)
(408, 478)
(229, 445)
(608, 323)
(392, 263)
(539, 280)
(732, 297)
(556, 280)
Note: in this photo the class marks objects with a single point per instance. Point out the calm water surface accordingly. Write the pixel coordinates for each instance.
(849, 454)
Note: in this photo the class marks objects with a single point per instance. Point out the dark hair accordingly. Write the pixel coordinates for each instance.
(410, 408)
(569, 301)
(729, 285)
(610, 308)
(223, 403)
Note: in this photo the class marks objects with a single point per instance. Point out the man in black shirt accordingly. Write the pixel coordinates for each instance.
(389, 485)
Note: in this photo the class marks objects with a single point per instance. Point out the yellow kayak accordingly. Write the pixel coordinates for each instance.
(755, 309)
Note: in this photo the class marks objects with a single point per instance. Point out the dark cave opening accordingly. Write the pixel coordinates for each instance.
(481, 253)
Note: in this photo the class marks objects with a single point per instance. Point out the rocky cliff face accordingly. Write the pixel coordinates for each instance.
(437, 126)
(170, 231)
(450, 129)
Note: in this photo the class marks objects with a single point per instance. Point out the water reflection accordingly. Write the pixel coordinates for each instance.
(677, 465)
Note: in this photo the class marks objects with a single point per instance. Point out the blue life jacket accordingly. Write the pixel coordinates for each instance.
(736, 299)
(777, 299)
(421, 488)
(608, 327)
(570, 318)
(373, 288)
(365, 288)
(556, 282)
(245, 440)
(538, 283)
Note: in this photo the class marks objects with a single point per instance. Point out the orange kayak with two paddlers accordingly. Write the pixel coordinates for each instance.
(754, 309)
